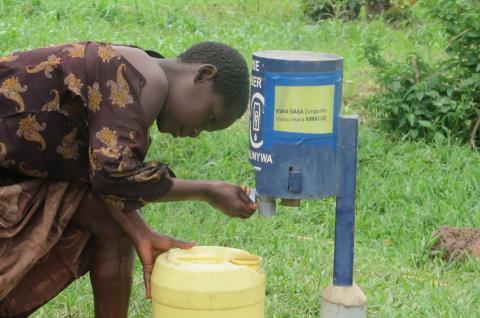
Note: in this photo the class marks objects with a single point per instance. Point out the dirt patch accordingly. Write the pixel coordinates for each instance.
(456, 242)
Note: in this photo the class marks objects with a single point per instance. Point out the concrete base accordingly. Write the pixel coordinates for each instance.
(343, 302)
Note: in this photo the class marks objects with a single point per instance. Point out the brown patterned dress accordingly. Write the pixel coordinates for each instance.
(51, 155)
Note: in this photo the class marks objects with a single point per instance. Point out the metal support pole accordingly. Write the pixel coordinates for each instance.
(346, 175)
(344, 299)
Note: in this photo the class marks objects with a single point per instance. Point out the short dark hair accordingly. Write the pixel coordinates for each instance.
(231, 80)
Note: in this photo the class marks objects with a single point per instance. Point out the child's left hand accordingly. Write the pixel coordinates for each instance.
(152, 245)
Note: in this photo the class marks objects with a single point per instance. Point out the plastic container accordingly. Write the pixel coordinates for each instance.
(208, 282)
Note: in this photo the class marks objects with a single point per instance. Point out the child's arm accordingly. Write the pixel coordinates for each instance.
(230, 199)
(148, 243)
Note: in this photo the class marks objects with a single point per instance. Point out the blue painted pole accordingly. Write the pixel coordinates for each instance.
(346, 172)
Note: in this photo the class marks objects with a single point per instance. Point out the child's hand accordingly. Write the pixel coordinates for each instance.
(231, 199)
(152, 245)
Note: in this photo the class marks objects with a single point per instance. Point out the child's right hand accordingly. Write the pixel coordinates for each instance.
(231, 199)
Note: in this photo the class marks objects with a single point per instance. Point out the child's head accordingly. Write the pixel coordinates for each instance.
(210, 92)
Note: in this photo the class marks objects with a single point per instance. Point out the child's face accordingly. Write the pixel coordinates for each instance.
(192, 106)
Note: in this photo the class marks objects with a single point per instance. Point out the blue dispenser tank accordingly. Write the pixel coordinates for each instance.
(294, 110)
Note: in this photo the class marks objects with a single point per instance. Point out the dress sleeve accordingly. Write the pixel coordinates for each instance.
(118, 136)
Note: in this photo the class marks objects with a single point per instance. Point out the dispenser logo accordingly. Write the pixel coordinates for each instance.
(256, 118)
(256, 115)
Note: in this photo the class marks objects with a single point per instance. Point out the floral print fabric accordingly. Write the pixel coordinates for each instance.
(102, 141)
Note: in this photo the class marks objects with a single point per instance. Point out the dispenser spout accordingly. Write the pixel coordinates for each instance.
(266, 205)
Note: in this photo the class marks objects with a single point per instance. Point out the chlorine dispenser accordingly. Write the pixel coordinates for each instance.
(302, 148)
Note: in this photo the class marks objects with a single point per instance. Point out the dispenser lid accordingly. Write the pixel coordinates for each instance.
(293, 55)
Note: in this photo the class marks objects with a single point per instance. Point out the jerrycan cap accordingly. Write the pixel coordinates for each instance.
(246, 259)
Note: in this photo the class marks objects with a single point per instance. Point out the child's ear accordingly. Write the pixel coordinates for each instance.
(205, 72)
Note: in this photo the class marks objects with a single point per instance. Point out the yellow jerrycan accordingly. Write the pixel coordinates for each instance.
(208, 282)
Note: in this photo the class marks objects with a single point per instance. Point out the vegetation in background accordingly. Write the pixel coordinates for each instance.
(392, 10)
(406, 189)
(434, 100)
(395, 13)
(376, 7)
(318, 10)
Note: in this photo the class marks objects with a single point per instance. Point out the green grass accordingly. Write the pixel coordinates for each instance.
(405, 190)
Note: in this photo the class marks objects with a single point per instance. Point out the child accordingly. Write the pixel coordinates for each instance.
(74, 123)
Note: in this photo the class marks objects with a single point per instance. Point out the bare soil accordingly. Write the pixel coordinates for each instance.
(456, 243)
